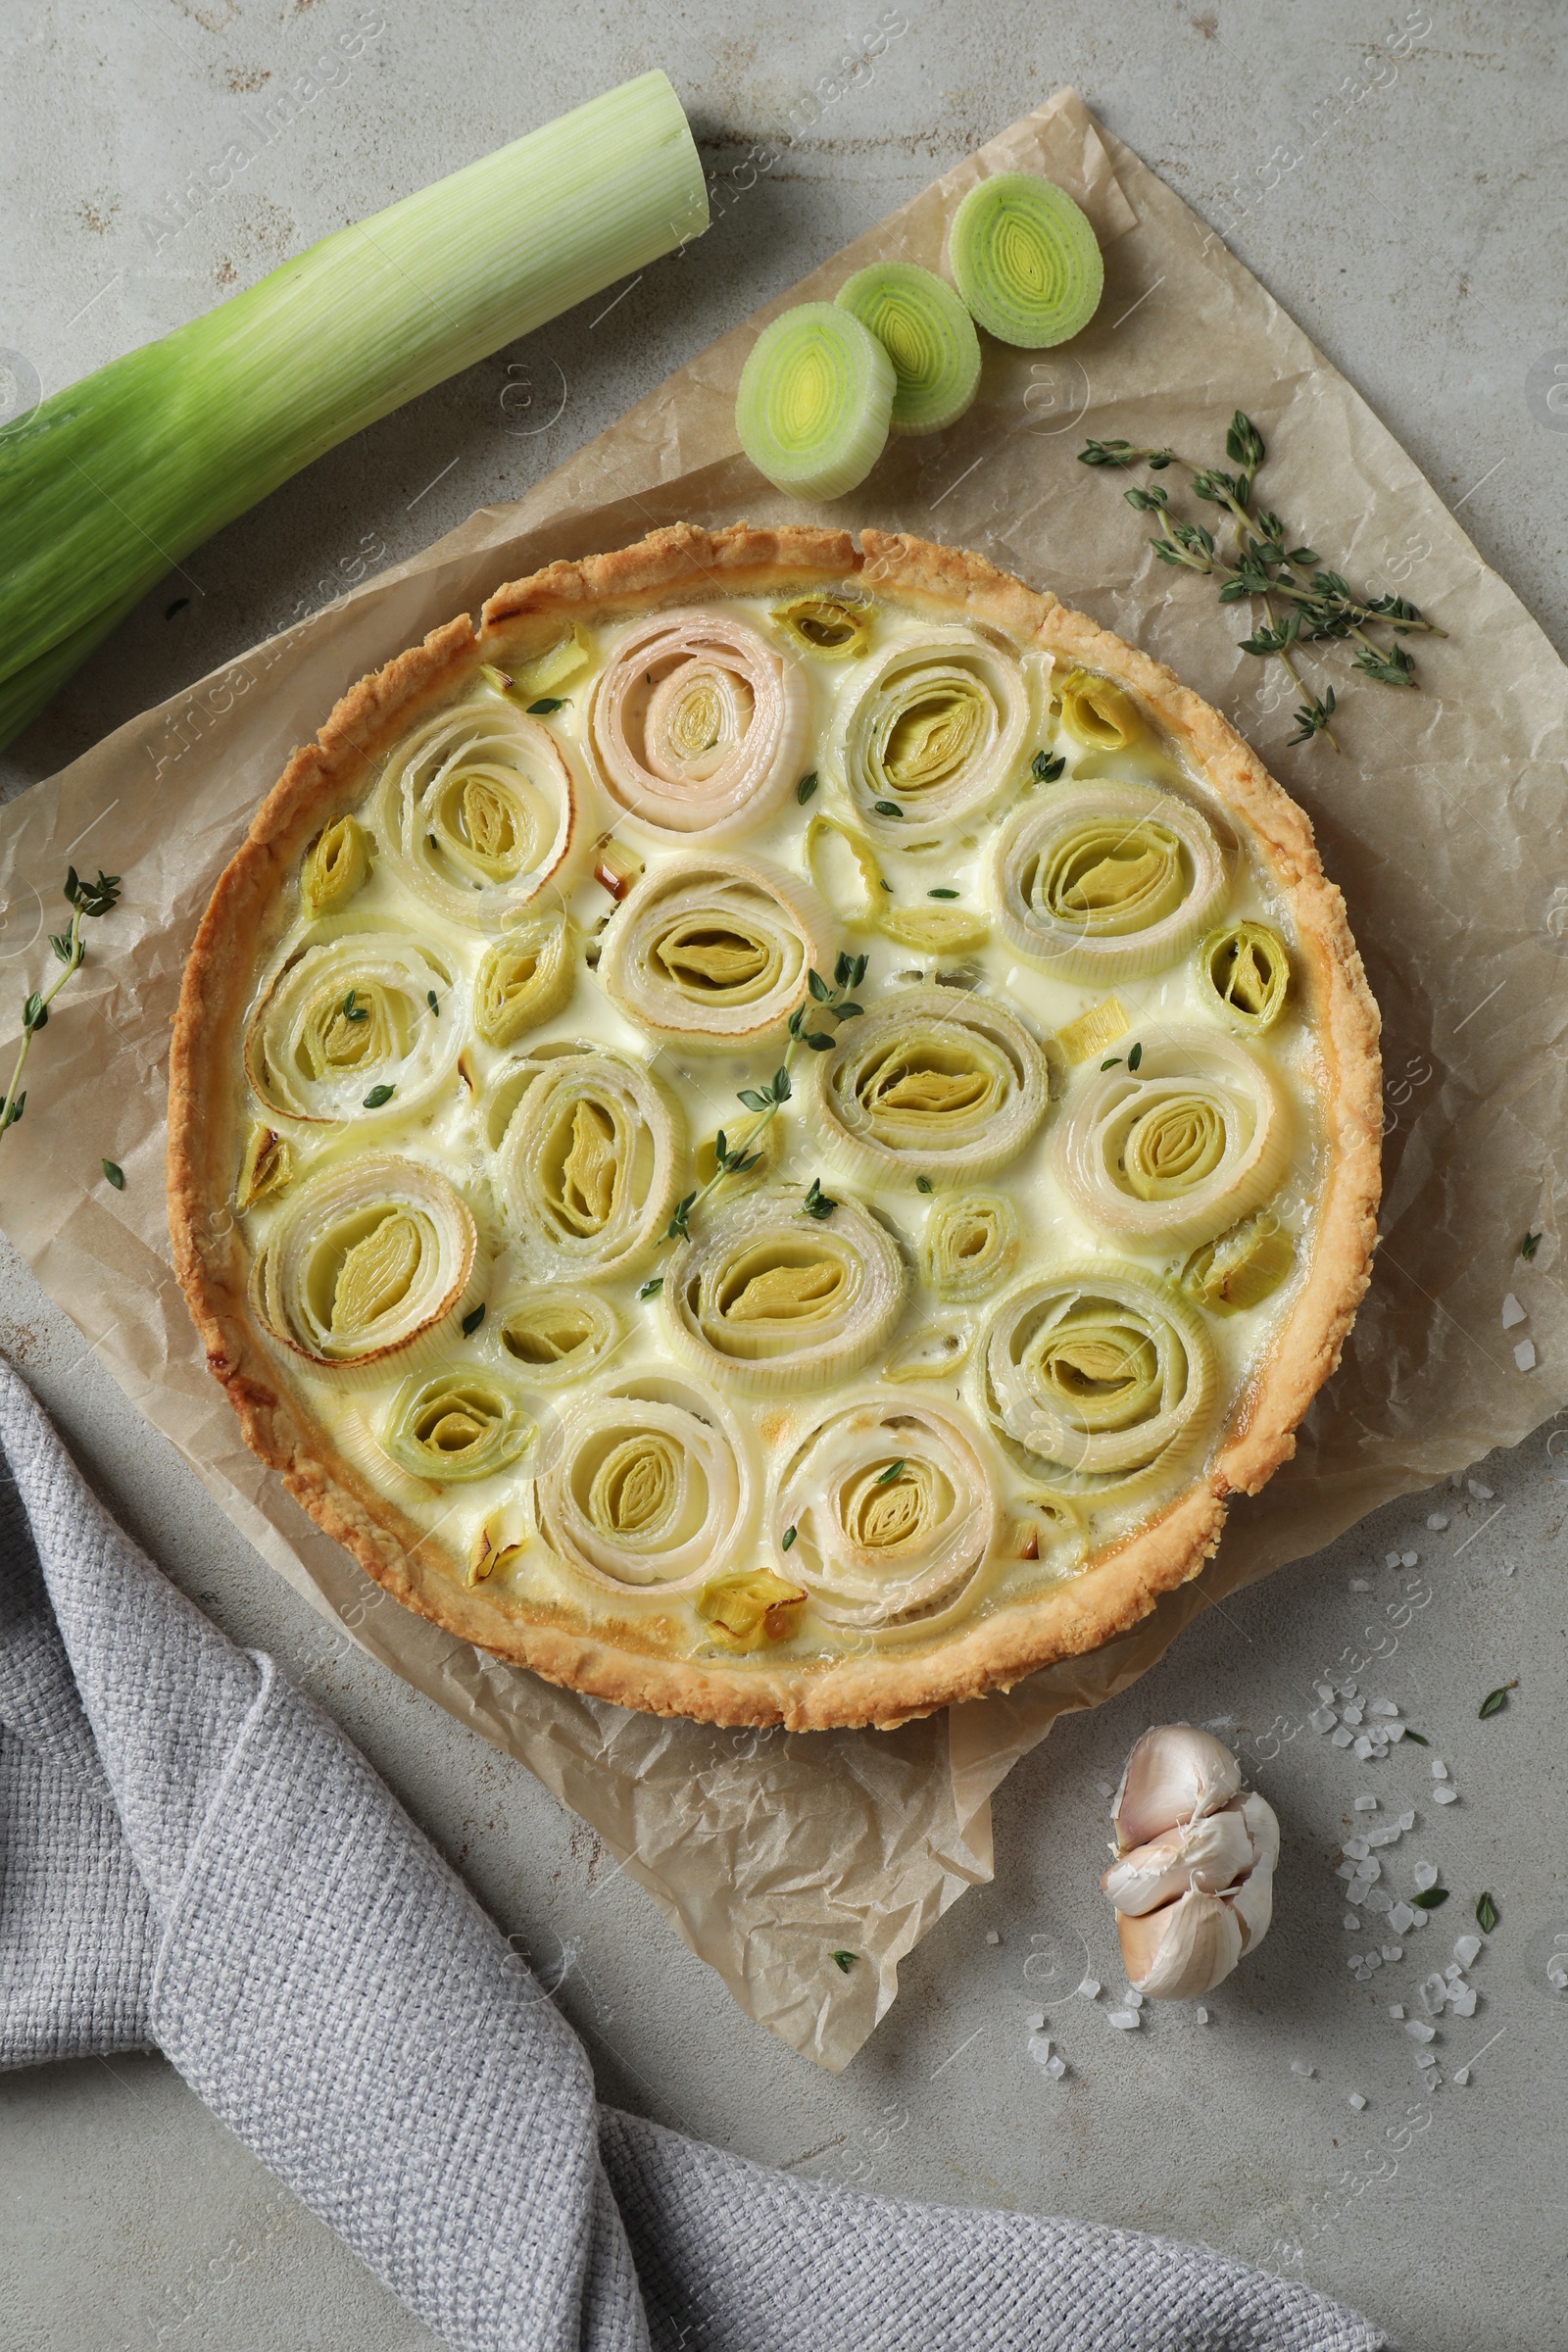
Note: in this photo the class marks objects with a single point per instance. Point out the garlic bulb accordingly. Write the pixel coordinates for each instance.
(1194, 1882)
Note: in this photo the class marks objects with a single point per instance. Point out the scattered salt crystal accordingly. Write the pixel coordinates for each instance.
(1463, 2004)
(1479, 1492)
(1345, 1690)
(1557, 1976)
(1389, 1836)
(1353, 1962)
(1513, 1312)
(1410, 1559)
(1353, 1922)
(1322, 1719)
(1383, 1706)
(1368, 1872)
(1359, 1584)
(1440, 1770)
(1362, 1746)
(1040, 2047)
(1418, 2032)
(1445, 1797)
(1463, 2075)
(1324, 1691)
(1467, 1951)
(1422, 1919)
(1104, 1787)
(1402, 1919)
(1355, 1848)
(1377, 1899)
(1135, 2000)
(1365, 1804)
(1434, 1992)
(1374, 1960)
(1396, 1731)
(1056, 2068)
(1090, 1989)
(1391, 1560)
(1425, 1875)
(1125, 2019)
(1351, 1713)
(1342, 1738)
(1452, 1973)
(1299, 2066)
(991, 1936)
(1035, 2021)
(1202, 2016)
(1357, 2101)
(1393, 1952)
(1524, 1355)
(1407, 1821)
(1438, 1521)
(1396, 2008)
(1507, 1567)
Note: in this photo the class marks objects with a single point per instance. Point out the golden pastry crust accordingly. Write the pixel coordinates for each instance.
(208, 1117)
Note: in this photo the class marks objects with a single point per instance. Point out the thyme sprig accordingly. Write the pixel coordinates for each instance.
(1319, 604)
(836, 1001)
(88, 900)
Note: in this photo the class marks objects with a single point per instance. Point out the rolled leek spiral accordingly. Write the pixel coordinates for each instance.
(364, 1011)
(481, 810)
(893, 1513)
(714, 951)
(457, 1425)
(1095, 1375)
(834, 627)
(336, 865)
(556, 1331)
(971, 1243)
(931, 730)
(586, 1170)
(1097, 713)
(928, 335)
(653, 1485)
(814, 400)
(930, 1082)
(1246, 971)
(1242, 1268)
(1175, 1151)
(1026, 260)
(1108, 881)
(369, 1268)
(524, 979)
(696, 725)
(776, 1301)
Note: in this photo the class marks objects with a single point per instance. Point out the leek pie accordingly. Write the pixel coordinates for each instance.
(773, 1130)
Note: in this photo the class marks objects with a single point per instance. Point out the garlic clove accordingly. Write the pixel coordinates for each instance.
(1182, 1951)
(1208, 1854)
(1175, 1774)
(1263, 1827)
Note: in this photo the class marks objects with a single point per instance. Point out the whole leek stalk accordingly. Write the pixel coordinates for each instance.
(106, 485)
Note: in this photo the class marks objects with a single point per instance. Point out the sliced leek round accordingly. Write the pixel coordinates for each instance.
(480, 812)
(1100, 715)
(931, 1084)
(893, 1513)
(369, 1268)
(696, 724)
(971, 1243)
(524, 979)
(1026, 260)
(1242, 1267)
(833, 628)
(1172, 1153)
(928, 335)
(457, 1425)
(337, 866)
(586, 1170)
(780, 1303)
(652, 1485)
(928, 733)
(366, 1014)
(715, 952)
(814, 402)
(1106, 882)
(557, 1332)
(1246, 970)
(1096, 1374)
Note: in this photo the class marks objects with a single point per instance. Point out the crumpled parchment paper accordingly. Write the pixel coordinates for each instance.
(768, 1851)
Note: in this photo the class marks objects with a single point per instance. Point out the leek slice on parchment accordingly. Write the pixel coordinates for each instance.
(814, 400)
(928, 335)
(1026, 260)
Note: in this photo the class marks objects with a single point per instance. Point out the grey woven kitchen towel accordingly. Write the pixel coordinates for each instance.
(192, 1855)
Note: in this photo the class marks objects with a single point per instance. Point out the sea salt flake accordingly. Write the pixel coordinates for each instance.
(1342, 1738)
(1362, 1746)
(1389, 1835)
(1463, 2004)
(1448, 1796)
(1382, 1706)
(1558, 1977)
(1345, 1870)
(1299, 2066)
(1357, 2101)
(1040, 2047)
(1396, 2008)
(1480, 1492)
(1467, 1951)
(1407, 1821)
(1104, 1787)
(1125, 2019)
(1367, 1872)
(1418, 2032)
(1410, 1559)
(1393, 1952)
(1396, 1731)
(1036, 2021)
(1463, 2075)
(1324, 1691)
(1524, 1355)
(1440, 1770)
(1353, 1922)
(1391, 1560)
(1355, 1848)
(1402, 1919)
(1322, 1719)
(1513, 1312)
(1452, 1973)
(1135, 2000)
(1425, 1875)
(1352, 1715)
(1422, 1919)
(1359, 1584)
(1056, 2068)
(1374, 1960)
(1353, 1962)
(1434, 1992)
(1438, 1521)
(1377, 1899)
(1344, 1689)
(1365, 1804)
(1090, 1989)
(991, 1936)
(1202, 2016)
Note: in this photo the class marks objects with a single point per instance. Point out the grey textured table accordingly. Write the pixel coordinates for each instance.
(1420, 239)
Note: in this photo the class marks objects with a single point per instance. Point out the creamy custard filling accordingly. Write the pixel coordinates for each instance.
(1067, 1130)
